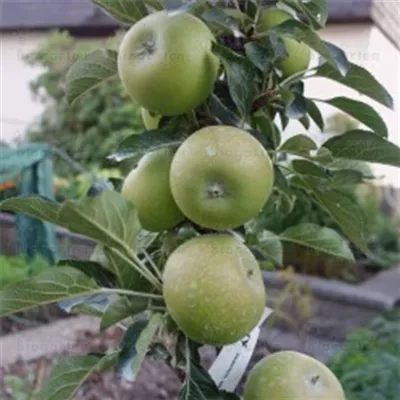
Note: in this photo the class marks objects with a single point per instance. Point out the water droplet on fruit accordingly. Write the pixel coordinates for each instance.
(211, 151)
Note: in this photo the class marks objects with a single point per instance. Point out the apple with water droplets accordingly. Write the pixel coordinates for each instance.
(147, 186)
(299, 54)
(289, 375)
(221, 177)
(213, 289)
(166, 63)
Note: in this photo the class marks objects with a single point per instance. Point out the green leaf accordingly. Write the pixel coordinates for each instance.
(135, 345)
(220, 19)
(241, 76)
(280, 180)
(104, 277)
(297, 107)
(318, 238)
(126, 11)
(35, 206)
(323, 156)
(145, 239)
(128, 349)
(157, 5)
(121, 309)
(107, 218)
(305, 121)
(266, 52)
(354, 165)
(300, 145)
(89, 72)
(359, 79)
(135, 146)
(364, 146)
(70, 373)
(127, 276)
(198, 384)
(265, 125)
(51, 286)
(362, 112)
(340, 56)
(317, 11)
(343, 210)
(144, 341)
(224, 114)
(270, 246)
(346, 177)
(315, 114)
(302, 33)
(195, 7)
(306, 167)
(94, 305)
(259, 55)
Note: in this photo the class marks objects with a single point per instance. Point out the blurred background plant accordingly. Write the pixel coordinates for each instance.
(75, 186)
(91, 128)
(339, 123)
(15, 269)
(369, 364)
(381, 218)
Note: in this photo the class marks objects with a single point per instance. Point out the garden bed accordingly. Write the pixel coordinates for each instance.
(19, 379)
(317, 315)
(69, 244)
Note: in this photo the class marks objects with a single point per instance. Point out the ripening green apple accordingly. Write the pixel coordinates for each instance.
(221, 177)
(166, 64)
(147, 186)
(213, 289)
(288, 375)
(150, 120)
(299, 54)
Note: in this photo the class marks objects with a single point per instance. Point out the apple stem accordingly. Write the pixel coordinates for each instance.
(152, 264)
(295, 77)
(193, 118)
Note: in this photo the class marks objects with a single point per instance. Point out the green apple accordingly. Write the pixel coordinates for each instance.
(213, 289)
(288, 375)
(299, 54)
(147, 186)
(221, 177)
(166, 64)
(150, 120)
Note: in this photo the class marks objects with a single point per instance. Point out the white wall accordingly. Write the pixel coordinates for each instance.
(364, 44)
(367, 46)
(17, 106)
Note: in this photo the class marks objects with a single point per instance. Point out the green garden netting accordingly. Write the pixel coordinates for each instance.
(31, 167)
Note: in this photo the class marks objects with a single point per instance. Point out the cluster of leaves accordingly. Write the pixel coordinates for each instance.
(106, 287)
(368, 365)
(381, 233)
(124, 277)
(104, 117)
(252, 95)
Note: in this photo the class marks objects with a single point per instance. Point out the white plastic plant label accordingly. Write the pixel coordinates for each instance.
(231, 363)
